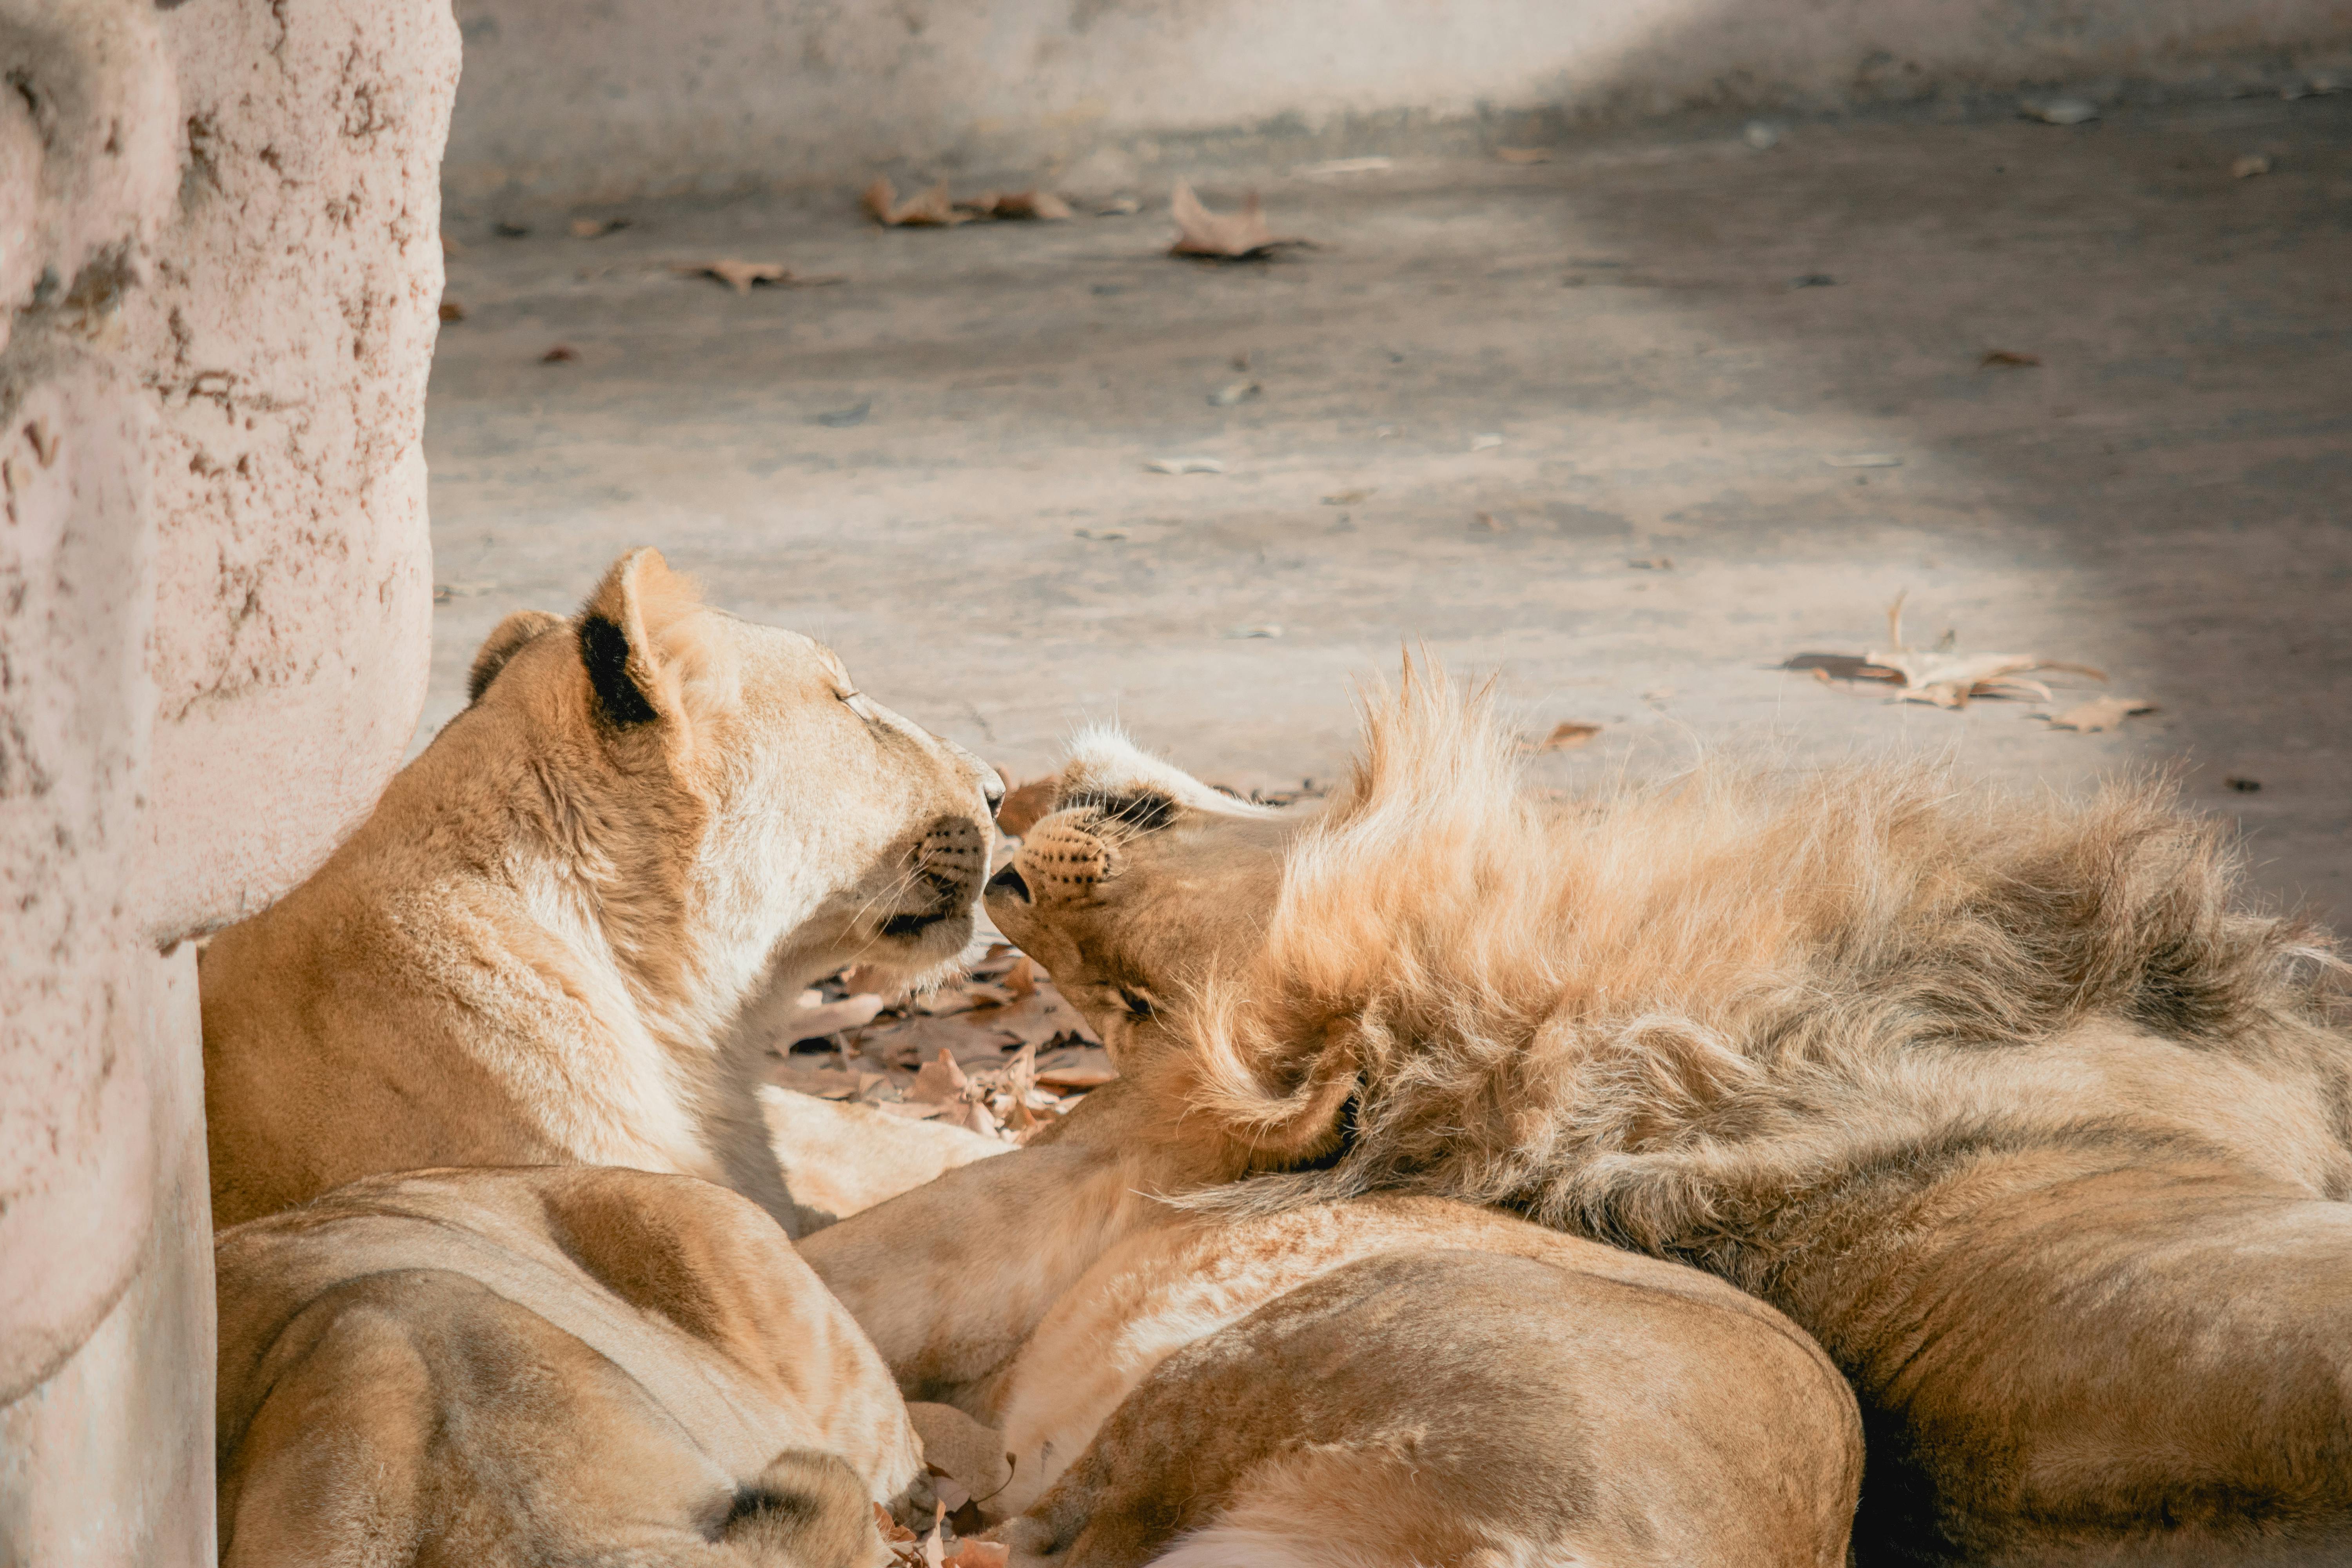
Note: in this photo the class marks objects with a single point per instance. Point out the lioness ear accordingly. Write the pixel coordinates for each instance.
(625, 641)
(506, 639)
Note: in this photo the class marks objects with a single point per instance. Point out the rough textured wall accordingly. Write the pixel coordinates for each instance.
(285, 332)
(591, 99)
(218, 270)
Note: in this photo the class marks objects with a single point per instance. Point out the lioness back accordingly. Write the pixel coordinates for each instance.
(477, 1369)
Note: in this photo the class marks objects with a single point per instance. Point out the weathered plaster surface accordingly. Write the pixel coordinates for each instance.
(609, 99)
(286, 335)
(218, 273)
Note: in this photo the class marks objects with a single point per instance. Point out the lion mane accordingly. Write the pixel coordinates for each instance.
(1665, 1018)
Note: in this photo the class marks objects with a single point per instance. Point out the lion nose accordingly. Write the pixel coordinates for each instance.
(992, 787)
(1010, 883)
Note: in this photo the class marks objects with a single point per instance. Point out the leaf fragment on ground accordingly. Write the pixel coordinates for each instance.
(597, 227)
(1485, 441)
(1184, 466)
(935, 208)
(741, 274)
(1349, 498)
(927, 208)
(561, 353)
(2248, 166)
(1043, 206)
(1233, 391)
(1939, 674)
(1566, 735)
(2099, 713)
(2009, 359)
(1223, 237)
(2059, 111)
(452, 311)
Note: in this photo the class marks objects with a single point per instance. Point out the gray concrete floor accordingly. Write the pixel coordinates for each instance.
(2167, 496)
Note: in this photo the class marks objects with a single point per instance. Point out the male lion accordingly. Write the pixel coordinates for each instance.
(2013, 1103)
(1379, 1383)
(496, 1369)
(652, 818)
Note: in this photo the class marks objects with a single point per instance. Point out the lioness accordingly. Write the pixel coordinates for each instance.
(652, 818)
(1381, 1381)
(2014, 1104)
(477, 1369)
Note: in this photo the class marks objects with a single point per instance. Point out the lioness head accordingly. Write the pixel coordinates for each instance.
(735, 807)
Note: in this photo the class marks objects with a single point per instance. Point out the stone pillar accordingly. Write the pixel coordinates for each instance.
(219, 270)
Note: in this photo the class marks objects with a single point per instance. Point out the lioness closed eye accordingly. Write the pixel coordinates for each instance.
(539, 947)
(2015, 1104)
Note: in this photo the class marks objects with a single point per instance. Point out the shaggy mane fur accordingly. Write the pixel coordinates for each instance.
(1657, 1016)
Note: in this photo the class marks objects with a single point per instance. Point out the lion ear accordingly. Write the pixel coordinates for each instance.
(635, 642)
(506, 640)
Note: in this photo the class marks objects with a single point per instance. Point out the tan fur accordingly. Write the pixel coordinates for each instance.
(2012, 1101)
(539, 947)
(476, 1369)
(1376, 1382)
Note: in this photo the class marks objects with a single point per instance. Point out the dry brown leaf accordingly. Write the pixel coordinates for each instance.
(452, 311)
(741, 274)
(815, 1017)
(1566, 735)
(1225, 237)
(2000, 358)
(929, 208)
(597, 227)
(1023, 808)
(941, 1083)
(2100, 713)
(561, 353)
(1043, 205)
(1022, 978)
(1041, 1017)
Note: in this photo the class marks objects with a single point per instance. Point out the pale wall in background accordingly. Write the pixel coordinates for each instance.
(608, 99)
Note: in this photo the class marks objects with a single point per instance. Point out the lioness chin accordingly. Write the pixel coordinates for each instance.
(546, 942)
(2014, 1104)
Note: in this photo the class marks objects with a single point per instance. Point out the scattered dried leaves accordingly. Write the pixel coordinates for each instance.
(741, 274)
(934, 208)
(1000, 1052)
(1223, 237)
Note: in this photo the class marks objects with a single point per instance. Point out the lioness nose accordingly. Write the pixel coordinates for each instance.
(1009, 883)
(992, 787)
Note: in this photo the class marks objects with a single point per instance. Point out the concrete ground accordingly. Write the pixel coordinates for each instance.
(1678, 337)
